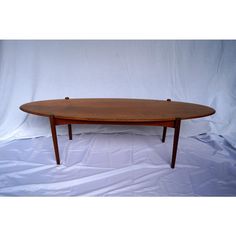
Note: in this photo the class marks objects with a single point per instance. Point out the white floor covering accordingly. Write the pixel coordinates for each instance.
(118, 165)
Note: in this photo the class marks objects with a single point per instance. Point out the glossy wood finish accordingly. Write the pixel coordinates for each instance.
(117, 112)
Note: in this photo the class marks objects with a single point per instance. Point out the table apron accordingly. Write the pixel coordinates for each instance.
(60, 121)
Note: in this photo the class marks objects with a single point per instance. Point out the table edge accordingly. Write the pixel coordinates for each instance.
(119, 120)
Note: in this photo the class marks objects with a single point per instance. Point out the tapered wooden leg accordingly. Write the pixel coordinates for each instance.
(70, 131)
(164, 134)
(175, 143)
(69, 126)
(54, 138)
(165, 128)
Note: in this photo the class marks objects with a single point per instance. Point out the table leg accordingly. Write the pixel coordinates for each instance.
(54, 138)
(70, 131)
(69, 126)
(175, 143)
(164, 134)
(165, 128)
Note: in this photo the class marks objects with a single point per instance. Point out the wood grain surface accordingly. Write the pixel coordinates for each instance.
(117, 110)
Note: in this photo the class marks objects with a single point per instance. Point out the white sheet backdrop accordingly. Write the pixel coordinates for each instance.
(191, 71)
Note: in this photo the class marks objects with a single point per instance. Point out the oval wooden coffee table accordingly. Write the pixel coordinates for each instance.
(117, 112)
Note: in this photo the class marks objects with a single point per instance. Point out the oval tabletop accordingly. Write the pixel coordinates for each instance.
(117, 110)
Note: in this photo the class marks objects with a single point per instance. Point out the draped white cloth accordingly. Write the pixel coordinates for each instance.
(118, 165)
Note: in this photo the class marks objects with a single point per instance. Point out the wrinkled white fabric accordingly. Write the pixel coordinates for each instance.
(191, 71)
(118, 165)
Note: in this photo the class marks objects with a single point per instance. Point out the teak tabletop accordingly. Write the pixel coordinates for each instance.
(117, 111)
